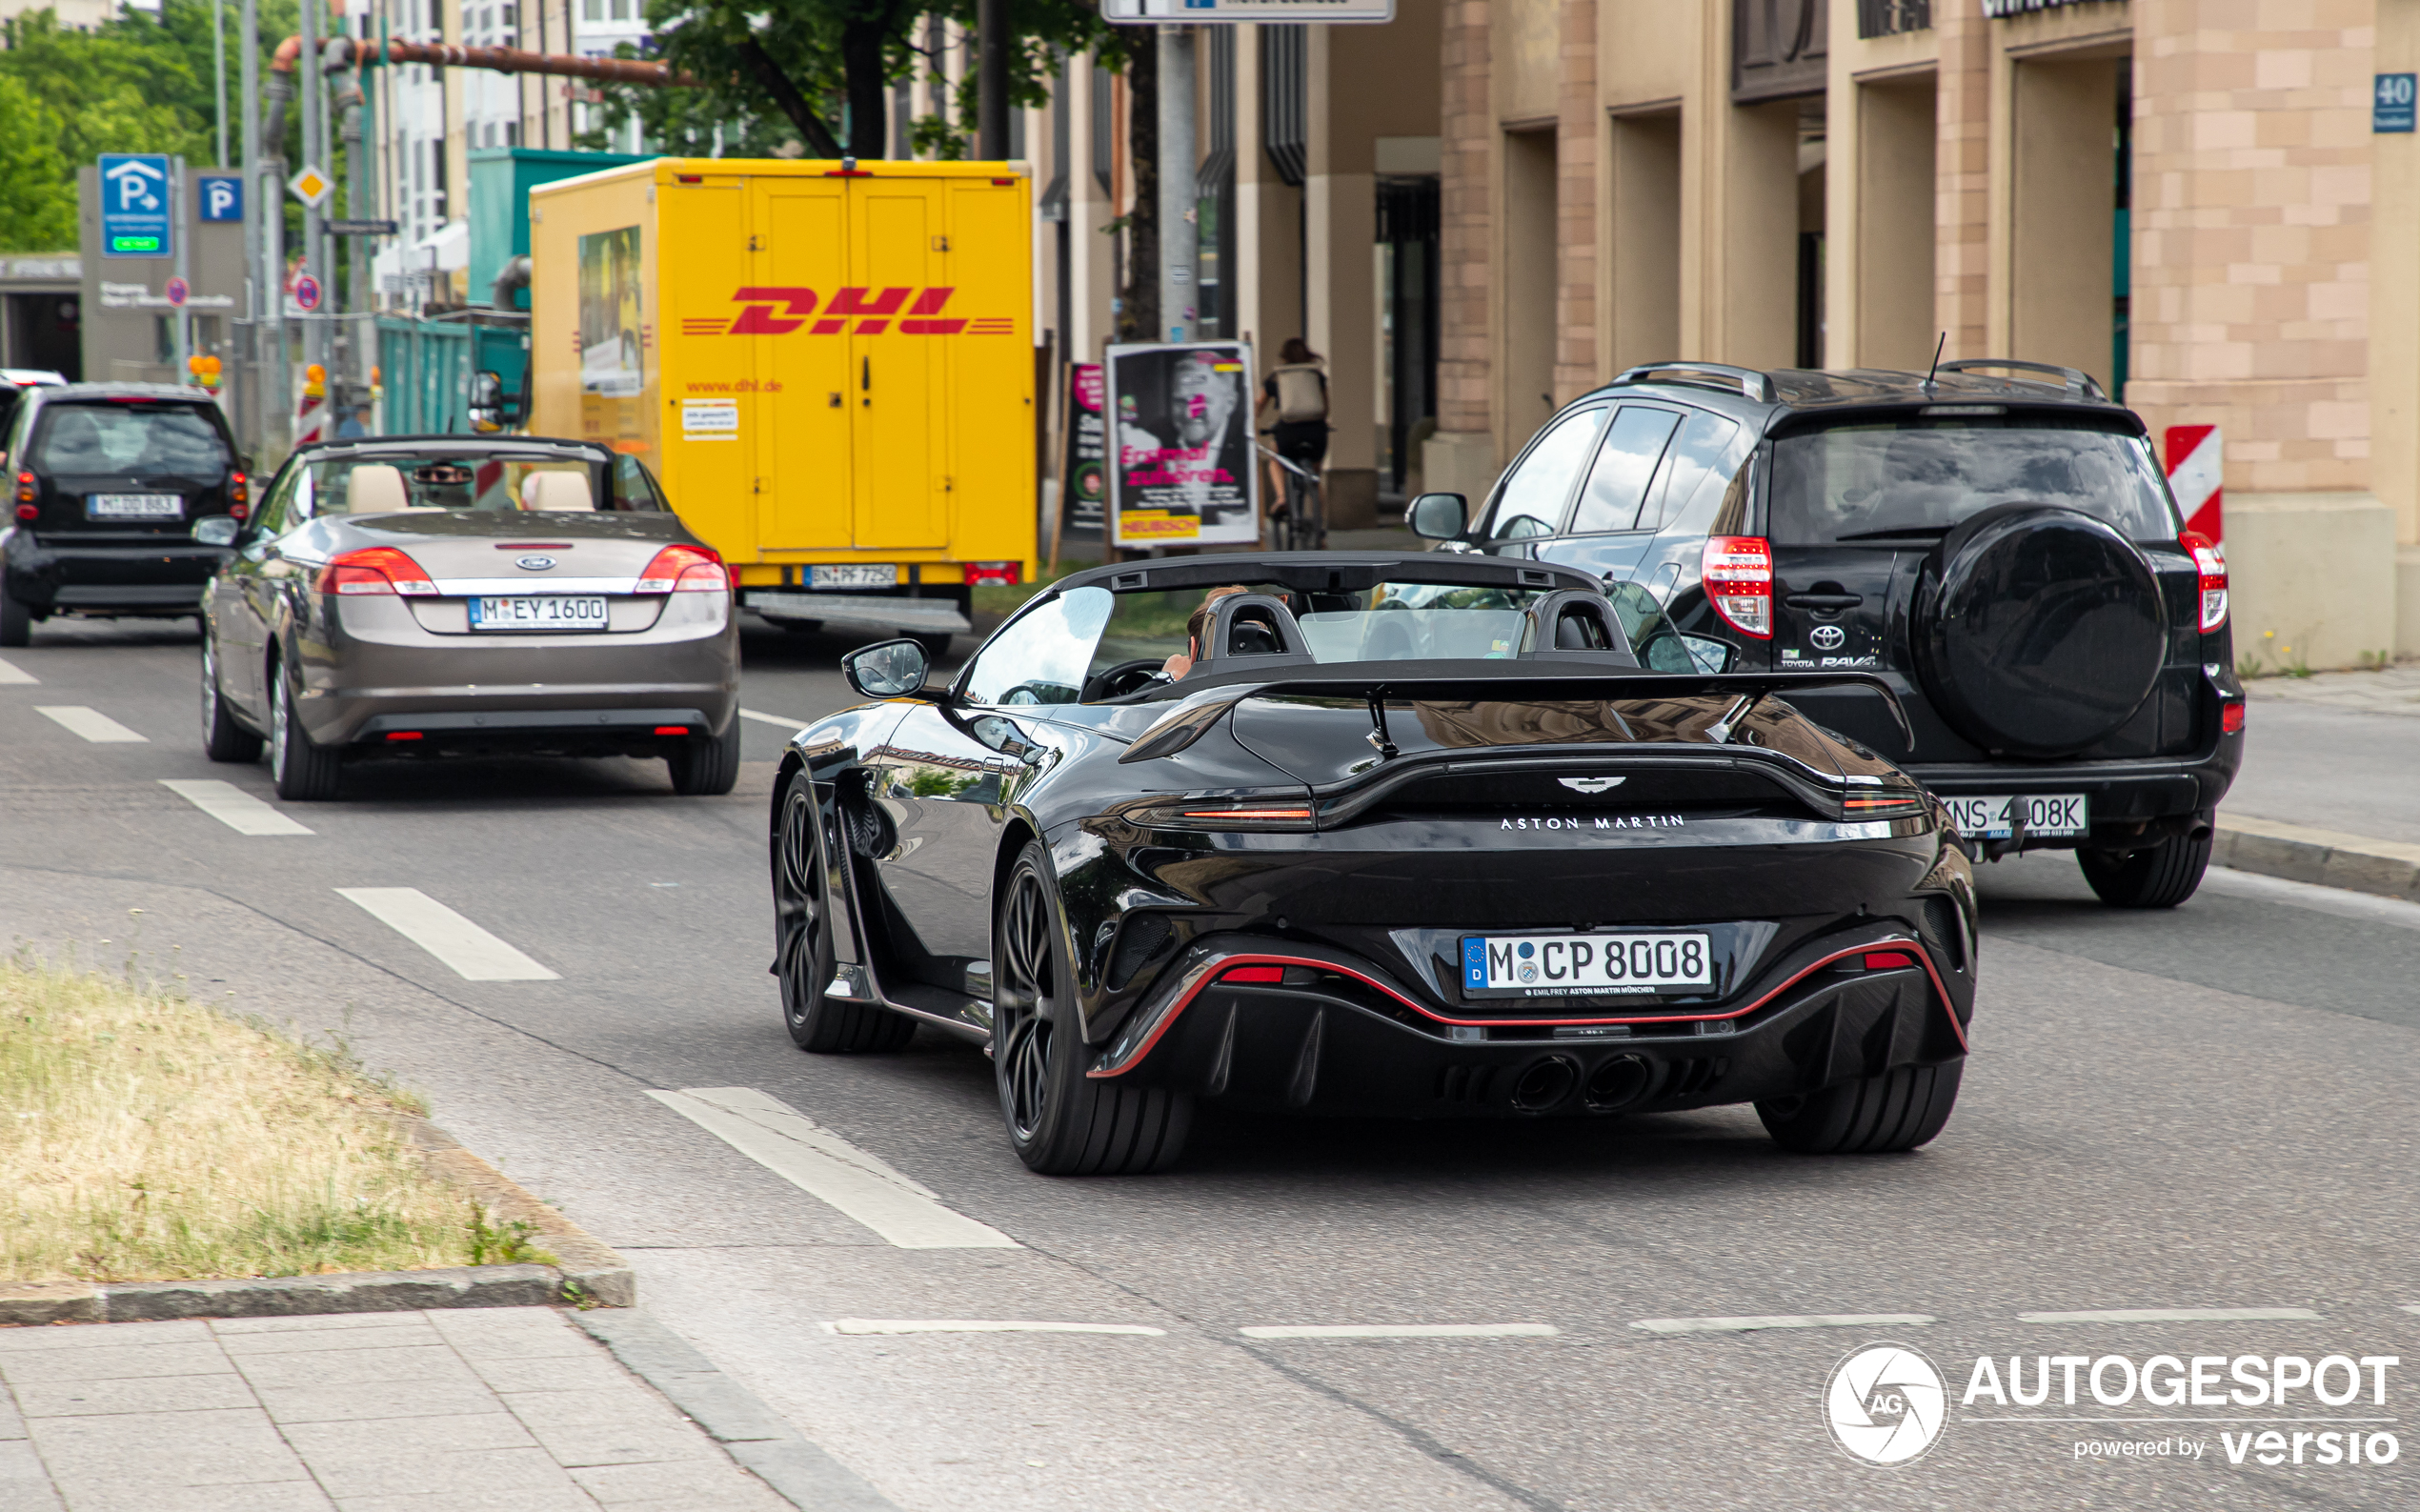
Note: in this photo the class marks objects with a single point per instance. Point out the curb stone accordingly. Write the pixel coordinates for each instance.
(752, 1433)
(587, 1270)
(2325, 858)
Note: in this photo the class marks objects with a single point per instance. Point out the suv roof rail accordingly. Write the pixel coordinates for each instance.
(1749, 382)
(2076, 379)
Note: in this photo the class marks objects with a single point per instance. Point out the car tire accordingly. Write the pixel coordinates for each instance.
(302, 769)
(1061, 1121)
(223, 740)
(17, 621)
(1899, 1110)
(2161, 876)
(804, 919)
(706, 766)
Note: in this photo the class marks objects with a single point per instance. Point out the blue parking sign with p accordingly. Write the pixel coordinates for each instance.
(221, 195)
(134, 201)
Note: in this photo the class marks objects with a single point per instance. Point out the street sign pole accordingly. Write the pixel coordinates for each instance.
(1178, 239)
(218, 72)
(180, 324)
(257, 206)
(313, 250)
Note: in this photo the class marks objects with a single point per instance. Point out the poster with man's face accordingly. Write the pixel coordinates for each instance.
(1181, 472)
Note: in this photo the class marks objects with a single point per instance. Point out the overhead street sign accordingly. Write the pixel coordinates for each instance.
(361, 227)
(134, 216)
(311, 186)
(1229, 13)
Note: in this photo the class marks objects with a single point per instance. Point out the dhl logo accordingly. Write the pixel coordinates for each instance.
(779, 312)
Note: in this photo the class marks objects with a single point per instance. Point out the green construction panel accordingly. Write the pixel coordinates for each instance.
(501, 178)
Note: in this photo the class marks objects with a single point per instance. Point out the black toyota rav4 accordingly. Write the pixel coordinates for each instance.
(2002, 548)
(105, 482)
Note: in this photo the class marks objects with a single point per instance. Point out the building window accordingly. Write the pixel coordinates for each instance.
(592, 9)
(621, 10)
(1888, 18)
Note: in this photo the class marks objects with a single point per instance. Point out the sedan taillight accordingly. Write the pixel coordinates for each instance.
(684, 570)
(1738, 573)
(374, 570)
(2209, 559)
(25, 492)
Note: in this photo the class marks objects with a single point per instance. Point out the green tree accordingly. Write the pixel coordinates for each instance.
(37, 193)
(819, 72)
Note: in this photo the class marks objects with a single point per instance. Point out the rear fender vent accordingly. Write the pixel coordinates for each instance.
(1944, 930)
(1141, 937)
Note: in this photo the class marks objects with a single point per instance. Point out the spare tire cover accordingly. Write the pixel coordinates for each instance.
(2038, 629)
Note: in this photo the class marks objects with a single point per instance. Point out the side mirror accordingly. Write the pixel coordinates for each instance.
(216, 530)
(887, 670)
(1439, 516)
(487, 402)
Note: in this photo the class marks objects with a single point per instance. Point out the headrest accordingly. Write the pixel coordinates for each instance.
(374, 488)
(560, 493)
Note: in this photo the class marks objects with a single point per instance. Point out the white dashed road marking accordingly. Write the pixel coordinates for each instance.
(1402, 1331)
(2180, 1315)
(1743, 1325)
(473, 954)
(794, 726)
(981, 1325)
(15, 675)
(92, 724)
(232, 806)
(824, 1165)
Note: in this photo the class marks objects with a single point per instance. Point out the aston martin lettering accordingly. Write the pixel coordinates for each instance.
(1612, 821)
(777, 312)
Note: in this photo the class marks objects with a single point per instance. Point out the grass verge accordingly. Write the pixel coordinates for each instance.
(145, 1136)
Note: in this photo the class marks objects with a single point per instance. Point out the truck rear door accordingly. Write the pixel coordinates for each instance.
(898, 235)
(798, 259)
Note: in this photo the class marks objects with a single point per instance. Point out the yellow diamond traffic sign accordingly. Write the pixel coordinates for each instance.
(311, 186)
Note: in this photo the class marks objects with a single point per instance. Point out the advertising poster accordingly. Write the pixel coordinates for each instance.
(1084, 470)
(1181, 473)
(609, 313)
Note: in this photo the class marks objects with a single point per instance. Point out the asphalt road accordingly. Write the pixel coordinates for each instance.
(2207, 1109)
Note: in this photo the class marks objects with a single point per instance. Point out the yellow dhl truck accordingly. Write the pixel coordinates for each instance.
(829, 366)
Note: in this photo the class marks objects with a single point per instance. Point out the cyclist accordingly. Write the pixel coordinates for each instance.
(1296, 389)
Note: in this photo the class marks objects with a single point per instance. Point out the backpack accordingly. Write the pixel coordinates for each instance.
(1301, 391)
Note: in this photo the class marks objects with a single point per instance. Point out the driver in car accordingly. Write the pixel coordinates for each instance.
(1197, 626)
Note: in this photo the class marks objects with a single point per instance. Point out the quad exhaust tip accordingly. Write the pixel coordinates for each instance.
(1618, 1082)
(1545, 1083)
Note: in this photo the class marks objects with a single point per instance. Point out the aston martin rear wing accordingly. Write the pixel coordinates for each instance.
(1499, 683)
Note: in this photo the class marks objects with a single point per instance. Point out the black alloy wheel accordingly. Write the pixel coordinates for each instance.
(1899, 1110)
(2158, 876)
(223, 740)
(1061, 1121)
(706, 766)
(803, 922)
(303, 771)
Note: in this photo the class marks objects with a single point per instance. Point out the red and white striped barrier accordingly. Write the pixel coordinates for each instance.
(2195, 477)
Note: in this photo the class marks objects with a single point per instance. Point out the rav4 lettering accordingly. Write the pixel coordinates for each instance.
(777, 312)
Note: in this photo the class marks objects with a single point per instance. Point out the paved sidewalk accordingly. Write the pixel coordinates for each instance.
(439, 1411)
(2316, 754)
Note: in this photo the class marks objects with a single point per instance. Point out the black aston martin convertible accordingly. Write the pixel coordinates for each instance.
(1410, 834)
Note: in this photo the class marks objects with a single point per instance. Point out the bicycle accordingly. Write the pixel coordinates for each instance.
(1299, 522)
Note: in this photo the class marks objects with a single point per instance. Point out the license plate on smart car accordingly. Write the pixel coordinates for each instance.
(548, 612)
(1549, 965)
(1994, 817)
(134, 506)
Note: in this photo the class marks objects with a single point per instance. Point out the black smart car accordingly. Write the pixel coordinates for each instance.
(1406, 834)
(2003, 550)
(106, 481)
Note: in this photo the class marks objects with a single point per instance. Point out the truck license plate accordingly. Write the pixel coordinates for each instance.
(855, 575)
(1550, 965)
(2058, 814)
(551, 612)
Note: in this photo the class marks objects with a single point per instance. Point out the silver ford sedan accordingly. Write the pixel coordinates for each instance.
(413, 595)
